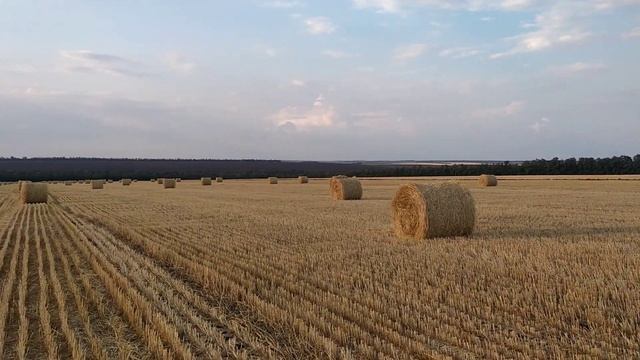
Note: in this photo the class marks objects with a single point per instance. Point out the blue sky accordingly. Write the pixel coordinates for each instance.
(320, 80)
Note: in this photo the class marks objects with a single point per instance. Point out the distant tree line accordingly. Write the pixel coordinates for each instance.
(35, 169)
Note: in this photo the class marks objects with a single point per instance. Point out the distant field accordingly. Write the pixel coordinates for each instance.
(244, 269)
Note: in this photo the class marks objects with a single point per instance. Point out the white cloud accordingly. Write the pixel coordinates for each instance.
(540, 125)
(319, 25)
(575, 68)
(179, 63)
(86, 61)
(320, 115)
(337, 54)
(297, 83)
(382, 6)
(283, 4)
(409, 52)
(508, 110)
(459, 52)
(633, 33)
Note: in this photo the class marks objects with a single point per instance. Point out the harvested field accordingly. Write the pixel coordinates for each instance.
(552, 270)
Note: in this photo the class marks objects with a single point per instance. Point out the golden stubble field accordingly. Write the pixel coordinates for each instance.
(244, 269)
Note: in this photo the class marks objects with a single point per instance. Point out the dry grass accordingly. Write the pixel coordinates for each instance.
(551, 271)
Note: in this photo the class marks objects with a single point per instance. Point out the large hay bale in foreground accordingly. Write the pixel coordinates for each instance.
(219, 179)
(169, 183)
(488, 180)
(430, 211)
(34, 193)
(97, 184)
(273, 180)
(343, 188)
(126, 182)
(303, 179)
(205, 181)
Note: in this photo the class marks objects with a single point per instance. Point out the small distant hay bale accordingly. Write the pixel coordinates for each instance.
(219, 179)
(97, 184)
(303, 179)
(34, 193)
(68, 183)
(431, 211)
(273, 180)
(152, 180)
(344, 188)
(109, 181)
(488, 180)
(205, 181)
(160, 181)
(87, 182)
(178, 179)
(126, 182)
(169, 183)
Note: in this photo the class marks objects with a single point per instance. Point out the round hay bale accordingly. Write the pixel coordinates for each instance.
(22, 182)
(178, 179)
(34, 193)
(205, 181)
(97, 184)
(488, 180)
(431, 211)
(126, 182)
(68, 183)
(303, 179)
(169, 183)
(344, 188)
(160, 181)
(219, 179)
(152, 180)
(273, 180)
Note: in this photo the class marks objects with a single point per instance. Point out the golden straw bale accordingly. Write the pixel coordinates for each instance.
(430, 211)
(126, 182)
(97, 184)
(33, 193)
(303, 179)
(219, 179)
(205, 181)
(344, 188)
(273, 180)
(488, 180)
(169, 183)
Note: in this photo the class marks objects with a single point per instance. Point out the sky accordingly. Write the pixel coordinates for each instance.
(320, 80)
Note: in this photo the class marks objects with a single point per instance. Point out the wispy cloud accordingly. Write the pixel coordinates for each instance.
(297, 83)
(633, 33)
(460, 52)
(86, 61)
(382, 6)
(540, 125)
(508, 110)
(179, 63)
(575, 68)
(320, 115)
(409, 52)
(337, 54)
(319, 25)
(283, 4)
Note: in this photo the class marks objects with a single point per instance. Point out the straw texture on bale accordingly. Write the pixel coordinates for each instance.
(97, 184)
(22, 182)
(273, 180)
(169, 183)
(431, 211)
(126, 182)
(303, 179)
(488, 180)
(205, 181)
(343, 188)
(219, 179)
(34, 193)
